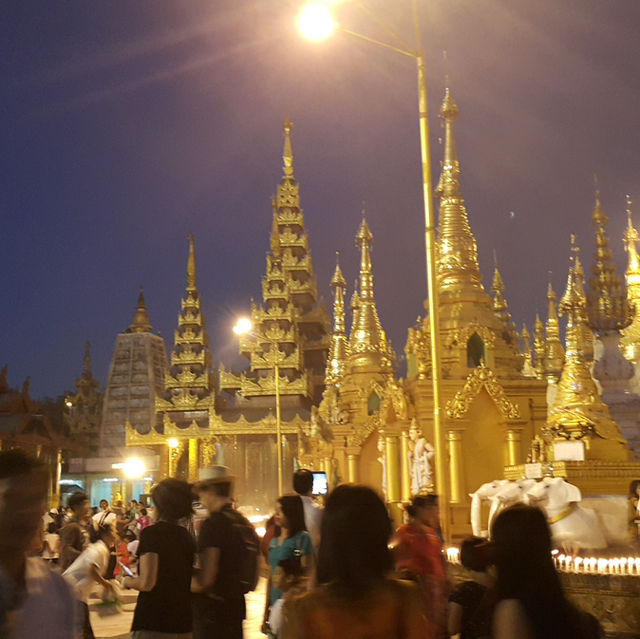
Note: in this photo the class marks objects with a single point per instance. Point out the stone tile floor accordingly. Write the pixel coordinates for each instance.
(117, 626)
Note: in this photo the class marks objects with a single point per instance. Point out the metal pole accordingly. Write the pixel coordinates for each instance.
(432, 290)
(278, 425)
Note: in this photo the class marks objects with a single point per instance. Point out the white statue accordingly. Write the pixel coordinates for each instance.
(486, 492)
(572, 527)
(421, 452)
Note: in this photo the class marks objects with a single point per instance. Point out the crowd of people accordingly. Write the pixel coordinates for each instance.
(334, 570)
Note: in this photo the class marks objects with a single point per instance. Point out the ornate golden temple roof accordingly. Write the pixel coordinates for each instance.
(140, 322)
(607, 306)
(188, 384)
(577, 411)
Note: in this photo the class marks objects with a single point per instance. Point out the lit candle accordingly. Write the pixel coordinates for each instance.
(576, 564)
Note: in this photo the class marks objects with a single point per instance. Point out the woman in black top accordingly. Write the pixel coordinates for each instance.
(165, 554)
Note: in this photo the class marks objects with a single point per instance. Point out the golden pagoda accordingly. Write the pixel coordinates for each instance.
(539, 347)
(290, 326)
(554, 353)
(492, 407)
(186, 408)
(339, 349)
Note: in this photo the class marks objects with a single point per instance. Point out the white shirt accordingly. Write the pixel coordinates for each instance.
(312, 519)
(275, 617)
(105, 518)
(78, 573)
(48, 609)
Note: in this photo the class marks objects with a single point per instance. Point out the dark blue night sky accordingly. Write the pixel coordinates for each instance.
(125, 124)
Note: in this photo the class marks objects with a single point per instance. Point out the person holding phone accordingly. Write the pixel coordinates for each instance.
(165, 559)
(303, 485)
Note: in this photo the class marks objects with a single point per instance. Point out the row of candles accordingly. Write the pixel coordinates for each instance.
(578, 565)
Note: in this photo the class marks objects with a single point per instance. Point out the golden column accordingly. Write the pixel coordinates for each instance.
(176, 448)
(454, 440)
(352, 467)
(405, 476)
(512, 442)
(193, 460)
(391, 454)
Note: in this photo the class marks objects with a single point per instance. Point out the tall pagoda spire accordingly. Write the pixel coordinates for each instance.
(140, 322)
(457, 253)
(527, 367)
(188, 386)
(339, 348)
(577, 411)
(554, 353)
(607, 305)
(368, 345)
(290, 326)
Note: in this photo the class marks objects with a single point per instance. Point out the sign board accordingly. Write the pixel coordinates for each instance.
(571, 450)
(533, 471)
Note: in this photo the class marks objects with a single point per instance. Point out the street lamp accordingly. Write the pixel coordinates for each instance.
(312, 32)
(244, 326)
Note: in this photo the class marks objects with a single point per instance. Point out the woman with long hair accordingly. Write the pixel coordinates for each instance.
(165, 553)
(356, 597)
(291, 539)
(417, 551)
(530, 600)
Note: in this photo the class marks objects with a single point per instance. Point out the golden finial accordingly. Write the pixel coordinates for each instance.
(554, 353)
(191, 264)
(140, 322)
(287, 154)
(539, 347)
(338, 279)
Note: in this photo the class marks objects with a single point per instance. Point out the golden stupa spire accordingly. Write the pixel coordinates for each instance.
(527, 367)
(191, 264)
(339, 347)
(607, 305)
(287, 153)
(457, 252)
(500, 306)
(275, 231)
(140, 322)
(86, 369)
(577, 409)
(554, 353)
(539, 347)
(368, 341)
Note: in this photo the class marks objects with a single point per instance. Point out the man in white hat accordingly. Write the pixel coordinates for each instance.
(218, 602)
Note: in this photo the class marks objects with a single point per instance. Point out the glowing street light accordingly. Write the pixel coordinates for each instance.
(317, 14)
(315, 22)
(134, 468)
(244, 326)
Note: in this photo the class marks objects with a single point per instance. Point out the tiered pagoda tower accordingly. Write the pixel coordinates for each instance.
(83, 409)
(491, 408)
(290, 327)
(630, 341)
(187, 405)
(136, 376)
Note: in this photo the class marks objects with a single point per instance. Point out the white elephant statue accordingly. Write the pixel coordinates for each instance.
(572, 526)
(486, 492)
(512, 492)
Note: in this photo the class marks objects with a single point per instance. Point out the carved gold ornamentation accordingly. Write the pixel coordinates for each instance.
(481, 377)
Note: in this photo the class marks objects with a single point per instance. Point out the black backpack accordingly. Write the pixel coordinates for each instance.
(245, 545)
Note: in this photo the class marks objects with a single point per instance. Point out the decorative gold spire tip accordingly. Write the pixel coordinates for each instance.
(449, 109)
(140, 322)
(287, 153)
(191, 263)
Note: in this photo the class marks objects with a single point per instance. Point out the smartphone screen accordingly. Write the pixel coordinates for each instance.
(320, 486)
(127, 571)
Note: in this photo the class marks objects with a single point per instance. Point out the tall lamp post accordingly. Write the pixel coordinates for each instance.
(316, 23)
(244, 327)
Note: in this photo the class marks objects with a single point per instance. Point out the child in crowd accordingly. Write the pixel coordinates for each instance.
(288, 578)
